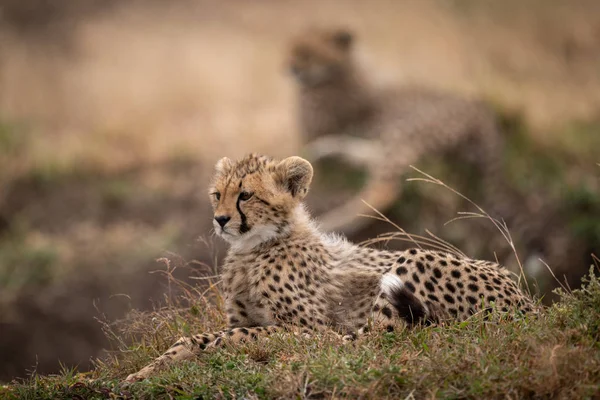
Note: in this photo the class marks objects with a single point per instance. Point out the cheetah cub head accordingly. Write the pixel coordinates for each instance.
(320, 57)
(254, 198)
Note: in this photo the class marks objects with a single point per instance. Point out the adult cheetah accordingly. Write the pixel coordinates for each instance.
(283, 274)
(386, 130)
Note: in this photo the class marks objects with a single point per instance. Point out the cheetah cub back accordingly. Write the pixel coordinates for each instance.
(282, 274)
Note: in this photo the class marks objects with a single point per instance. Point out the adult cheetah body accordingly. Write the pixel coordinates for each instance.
(282, 274)
(341, 112)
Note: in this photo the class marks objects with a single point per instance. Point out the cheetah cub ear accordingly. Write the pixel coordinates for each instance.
(294, 174)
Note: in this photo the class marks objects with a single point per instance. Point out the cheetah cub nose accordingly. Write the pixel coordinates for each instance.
(222, 220)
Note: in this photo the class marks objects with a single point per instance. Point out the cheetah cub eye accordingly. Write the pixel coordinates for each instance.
(244, 196)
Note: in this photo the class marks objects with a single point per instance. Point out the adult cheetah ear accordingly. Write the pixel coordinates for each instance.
(294, 174)
(223, 165)
(342, 39)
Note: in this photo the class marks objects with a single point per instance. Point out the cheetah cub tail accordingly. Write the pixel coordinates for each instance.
(409, 307)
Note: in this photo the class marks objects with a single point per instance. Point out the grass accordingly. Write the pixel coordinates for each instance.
(25, 264)
(554, 355)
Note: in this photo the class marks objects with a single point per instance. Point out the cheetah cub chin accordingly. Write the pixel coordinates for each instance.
(282, 274)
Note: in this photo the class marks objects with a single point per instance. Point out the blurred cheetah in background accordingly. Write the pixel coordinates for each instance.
(341, 113)
(282, 274)
(386, 130)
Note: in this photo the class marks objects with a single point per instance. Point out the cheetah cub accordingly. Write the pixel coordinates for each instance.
(282, 274)
(341, 112)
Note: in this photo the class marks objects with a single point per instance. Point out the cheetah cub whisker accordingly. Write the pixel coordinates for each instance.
(282, 274)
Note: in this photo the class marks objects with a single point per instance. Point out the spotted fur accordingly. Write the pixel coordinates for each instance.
(283, 274)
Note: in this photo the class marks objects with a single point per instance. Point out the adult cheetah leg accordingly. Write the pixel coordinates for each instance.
(191, 346)
(379, 194)
(357, 151)
(381, 190)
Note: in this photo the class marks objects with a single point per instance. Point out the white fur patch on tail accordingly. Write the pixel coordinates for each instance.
(390, 283)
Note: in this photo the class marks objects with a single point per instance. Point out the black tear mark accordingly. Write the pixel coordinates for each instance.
(244, 225)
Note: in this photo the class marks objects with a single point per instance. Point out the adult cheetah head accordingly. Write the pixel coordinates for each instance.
(254, 197)
(320, 57)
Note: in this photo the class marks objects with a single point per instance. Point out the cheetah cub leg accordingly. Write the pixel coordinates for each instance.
(192, 346)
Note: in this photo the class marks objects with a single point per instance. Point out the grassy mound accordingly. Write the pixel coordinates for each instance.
(554, 355)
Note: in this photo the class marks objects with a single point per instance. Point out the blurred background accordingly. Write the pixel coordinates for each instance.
(113, 113)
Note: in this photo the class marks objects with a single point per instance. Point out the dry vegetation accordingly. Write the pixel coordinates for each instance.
(110, 121)
(554, 355)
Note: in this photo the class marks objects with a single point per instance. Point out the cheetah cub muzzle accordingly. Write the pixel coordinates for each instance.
(282, 274)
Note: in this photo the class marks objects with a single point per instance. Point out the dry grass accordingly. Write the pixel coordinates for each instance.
(555, 355)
